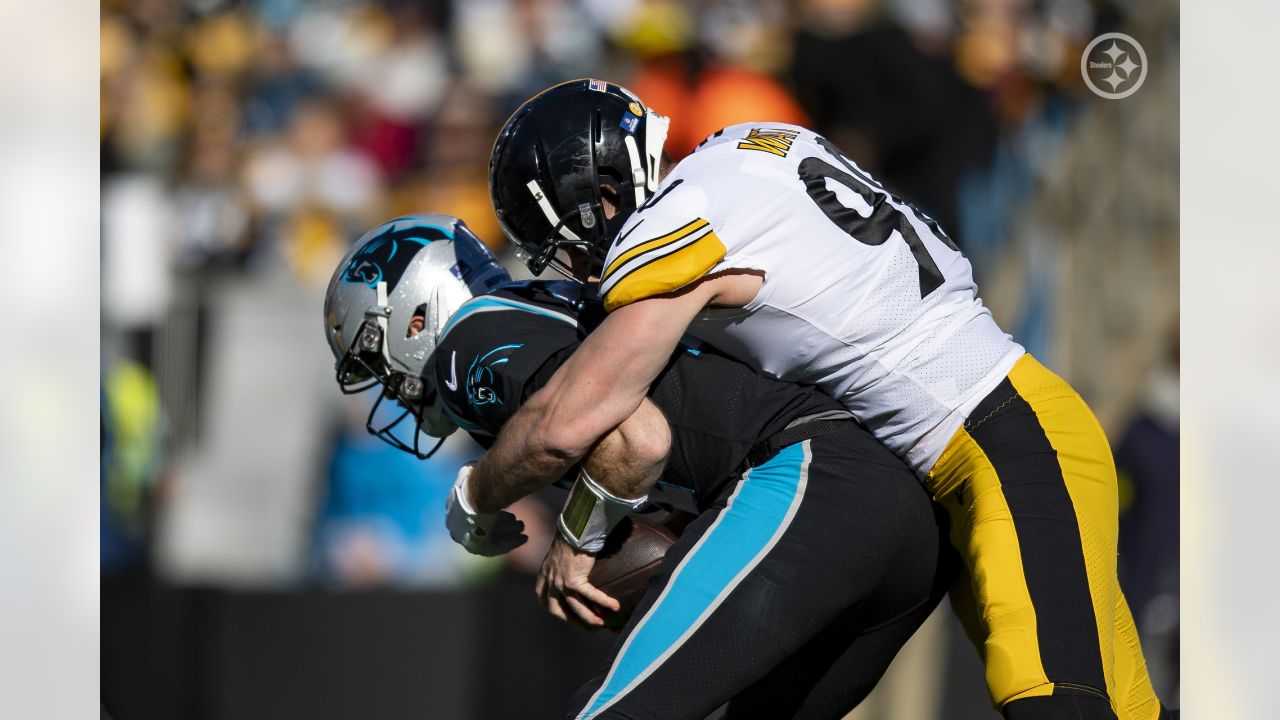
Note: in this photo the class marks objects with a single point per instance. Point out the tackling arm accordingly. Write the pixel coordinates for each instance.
(602, 384)
(627, 462)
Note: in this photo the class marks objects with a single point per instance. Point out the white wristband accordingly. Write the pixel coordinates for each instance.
(463, 521)
(591, 512)
(460, 485)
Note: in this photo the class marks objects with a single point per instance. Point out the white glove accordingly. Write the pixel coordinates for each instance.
(480, 533)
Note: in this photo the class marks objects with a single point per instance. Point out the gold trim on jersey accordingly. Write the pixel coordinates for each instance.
(644, 247)
(666, 273)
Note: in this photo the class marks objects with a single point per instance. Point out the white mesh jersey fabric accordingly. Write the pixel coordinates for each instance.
(841, 310)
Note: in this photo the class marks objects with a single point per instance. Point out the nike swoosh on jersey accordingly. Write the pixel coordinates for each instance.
(452, 382)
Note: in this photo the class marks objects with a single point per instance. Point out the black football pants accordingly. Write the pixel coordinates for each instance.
(788, 597)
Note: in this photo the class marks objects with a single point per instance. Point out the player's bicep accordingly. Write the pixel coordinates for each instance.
(602, 383)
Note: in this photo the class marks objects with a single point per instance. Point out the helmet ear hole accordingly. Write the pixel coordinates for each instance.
(612, 199)
(417, 322)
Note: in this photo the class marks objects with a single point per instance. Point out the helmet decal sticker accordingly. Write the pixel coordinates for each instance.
(381, 260)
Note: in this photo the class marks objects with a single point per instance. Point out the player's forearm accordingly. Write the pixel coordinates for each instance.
(599, 387)
(515, 466)
(629, 460)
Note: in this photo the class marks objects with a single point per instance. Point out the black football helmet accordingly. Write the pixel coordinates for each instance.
(552, 157)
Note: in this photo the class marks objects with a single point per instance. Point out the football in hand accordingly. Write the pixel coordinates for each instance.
(631, 555)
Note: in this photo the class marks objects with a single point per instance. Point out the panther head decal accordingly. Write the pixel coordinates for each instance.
(385, 258)
(480, 375)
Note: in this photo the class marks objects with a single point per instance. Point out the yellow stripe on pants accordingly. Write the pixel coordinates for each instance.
(993, 599)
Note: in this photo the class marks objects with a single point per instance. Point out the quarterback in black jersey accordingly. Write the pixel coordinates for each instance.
(801, 577)
(814, 553)
(500, 348)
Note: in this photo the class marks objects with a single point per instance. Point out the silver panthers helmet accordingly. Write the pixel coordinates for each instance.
(417, 265)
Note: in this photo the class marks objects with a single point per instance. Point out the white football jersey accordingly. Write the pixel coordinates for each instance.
(863, 295)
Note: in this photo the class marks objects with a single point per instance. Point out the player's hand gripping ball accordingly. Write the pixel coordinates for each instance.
(631, 555)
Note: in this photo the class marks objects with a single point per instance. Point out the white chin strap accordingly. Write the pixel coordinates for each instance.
(541, 198)
(644, 175)
(441, 307)
(381, 316)
(637, 170)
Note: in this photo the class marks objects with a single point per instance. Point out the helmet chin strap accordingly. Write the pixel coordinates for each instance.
(380, 313)
(545, 258)
(644, 177)
(540, 197)
(637, 169)
(436, 319)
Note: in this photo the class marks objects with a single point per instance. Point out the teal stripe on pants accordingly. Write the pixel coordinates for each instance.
(757, 514)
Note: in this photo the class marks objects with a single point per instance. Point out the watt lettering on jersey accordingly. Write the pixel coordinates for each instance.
(863, 295)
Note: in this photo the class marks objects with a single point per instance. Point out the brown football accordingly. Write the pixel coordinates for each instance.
(630, 556)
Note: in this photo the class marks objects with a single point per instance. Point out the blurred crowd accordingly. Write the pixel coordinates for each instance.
(266, 134)
(246, 143)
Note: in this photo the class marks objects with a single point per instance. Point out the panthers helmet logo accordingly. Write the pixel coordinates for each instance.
(386, 257)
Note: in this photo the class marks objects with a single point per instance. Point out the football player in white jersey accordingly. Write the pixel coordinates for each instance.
(772, 245)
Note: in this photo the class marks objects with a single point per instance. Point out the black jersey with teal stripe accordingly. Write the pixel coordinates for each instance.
(500, 348)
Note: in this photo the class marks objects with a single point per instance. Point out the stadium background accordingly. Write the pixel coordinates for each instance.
(261, 557)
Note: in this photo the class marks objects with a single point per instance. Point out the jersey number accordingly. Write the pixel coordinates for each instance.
(884, 219)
